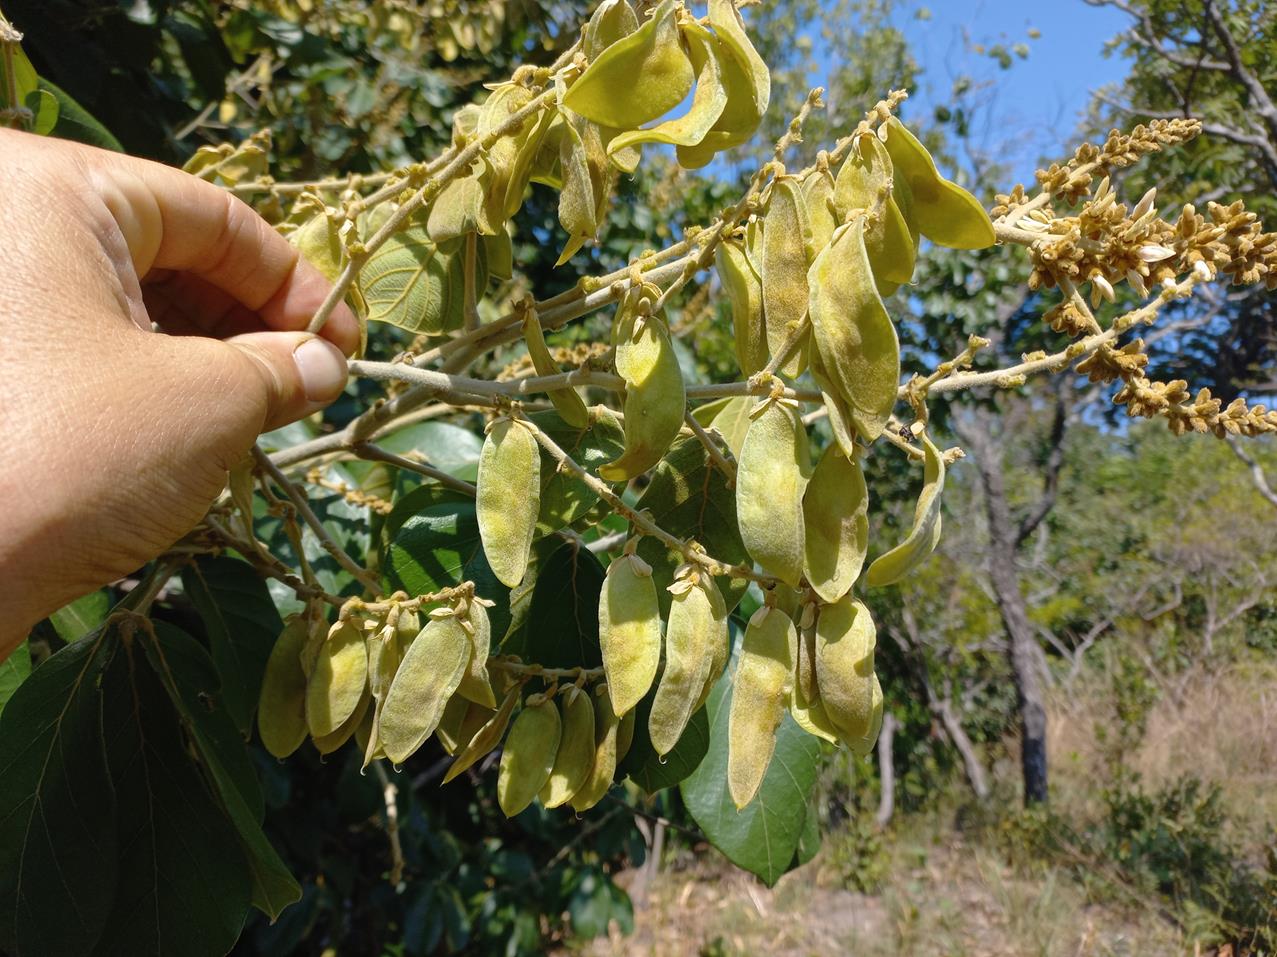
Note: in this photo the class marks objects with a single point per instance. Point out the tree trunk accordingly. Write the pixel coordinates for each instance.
(1015, 617)
(886, 771)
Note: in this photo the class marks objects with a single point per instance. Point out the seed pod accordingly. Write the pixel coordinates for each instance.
(845, 640)
(611, 21)
(744, 287)
(510, 157)
(452, 721)
(476, 684)
(603, 767)
(747, 82)
(655, 398)
(945, 212)
(787, 238)
(810, 716)
(865, 182)
(487, 737)
(818, 193)
(925, 534)
(625, 734)
(863, 744)
(839, 413)
(650, 67)
(770, 478)
(326, 744)
(508, 497)
(836, 525)
(365, 739)
(854, 335)
(338, 681)
(384, 655)
(575, 757)
(566, 400)
(462, 206)
(427, 677)
(708, 99)
(281, 707)
(629, 630)
(733, 421)
(697, 624)
(586, 184)
(805, 653)
(528, 755)
(764, 676)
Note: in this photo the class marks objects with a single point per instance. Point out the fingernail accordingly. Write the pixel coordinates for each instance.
(322, 368)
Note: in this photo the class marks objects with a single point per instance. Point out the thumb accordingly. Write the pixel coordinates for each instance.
(290, 374)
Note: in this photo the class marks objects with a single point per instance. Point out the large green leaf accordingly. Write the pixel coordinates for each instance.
(57, 810)
(412, 283)
(649, 770)
(690, 498)
(13, 671)
(562, 629)
(242, 626)
(764, 836)
(434, 544)
(72, 622)
(564, 497)
(76, 123)
(446, 446)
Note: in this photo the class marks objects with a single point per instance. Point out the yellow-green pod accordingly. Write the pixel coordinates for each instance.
(508, 498)
(365, 735)
(486, 737)
(839, 412)
(637, 78)
(845, 641)
(944, 212)
(747, 81)
(770, 478)
(528, 755)
(863, 744)
(476, 684)
(708, 99)
(836, 524)
(427, 677)
(864, 180)
(281, 706)
(571, 407)
(925, 534)
(603, 768)
(462, 207)
(655, 402)
(760, 693)
(629, 630)
(575, 757)
(697, 625)
(452, 722)
(855, 337)
(786, 242)
(339, 679)
(805, 653)
(611, 21)
(818, 191)
(586, 184)
(326, 744)
(384, 655)
(811, 717)
(744, 287)
(625, 734)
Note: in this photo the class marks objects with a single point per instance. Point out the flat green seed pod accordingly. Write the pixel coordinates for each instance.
(629, 630)
(326, 744)
(818, 191)
(586, 183)
(487, 737)
(855, 337)
(461, 207)
(845, 641)
(428, 676)
(865, 176)
(476, 683)
(528, 755)
(625, 734)
(638, 78)
(771, 476)
(708, 99)
(743, 284)
(786, 243)
(281, 706)
(805, 660)
(508, 498)
(925, 534)
(338, 680)
(603, 768)
(945, 212)
(451, 722)
(696, 624)
(863, 744)
(574, 759)
(569, 404)
(839, 413)
(611, 21)
(655, 402)
(836, 524)
(811, 717)
(760, 693)
(384, 655)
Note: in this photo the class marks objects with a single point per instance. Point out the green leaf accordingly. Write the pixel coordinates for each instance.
(13, 671)
(434, 544)
(808, 839)
(690, 498)
(763, 837)
(653, 773)
(72, 622)
(411, 283)
(76, 123)
(44, 111)
(563, 624)
(447, 447)
(24, 79)
(596, 902)
(57, 814)
(242, 624)
(564, 497)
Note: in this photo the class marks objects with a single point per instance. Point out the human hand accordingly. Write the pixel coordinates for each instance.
(118, 438)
